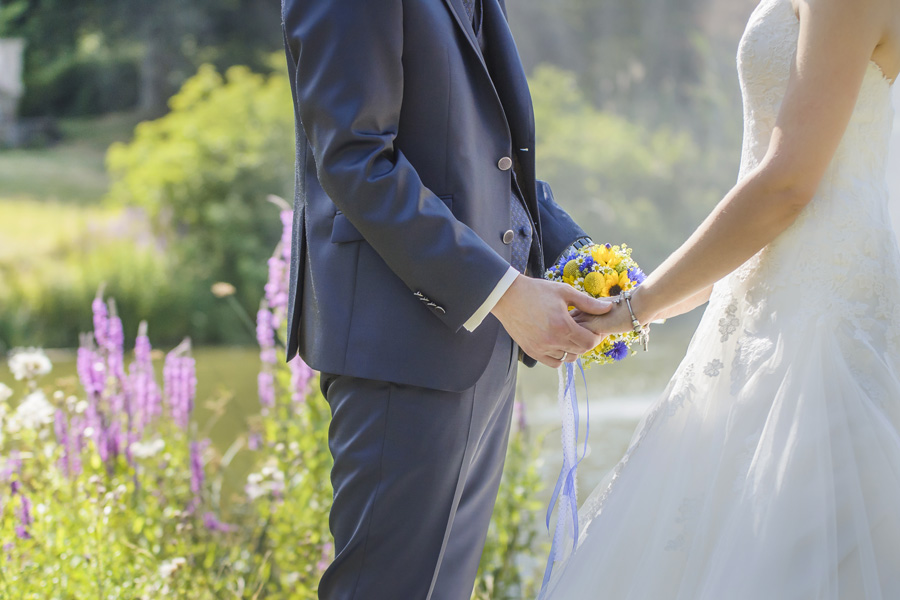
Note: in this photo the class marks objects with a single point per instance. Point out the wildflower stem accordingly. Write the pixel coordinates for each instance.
(242, 314)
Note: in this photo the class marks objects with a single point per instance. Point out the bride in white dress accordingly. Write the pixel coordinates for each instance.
(770, 468)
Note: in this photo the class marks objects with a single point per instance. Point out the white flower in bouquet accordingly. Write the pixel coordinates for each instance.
(5, 393)
(29, 363)
(34, 411)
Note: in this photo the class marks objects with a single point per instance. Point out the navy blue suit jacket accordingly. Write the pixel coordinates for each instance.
(402, 198)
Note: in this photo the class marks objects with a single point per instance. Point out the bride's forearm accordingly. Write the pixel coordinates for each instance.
(686, 306)
(751, 216)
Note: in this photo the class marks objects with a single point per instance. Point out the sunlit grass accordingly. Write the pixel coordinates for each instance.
(32, 229)
(71, 171)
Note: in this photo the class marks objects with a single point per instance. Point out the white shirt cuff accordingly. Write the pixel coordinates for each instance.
(485, 309)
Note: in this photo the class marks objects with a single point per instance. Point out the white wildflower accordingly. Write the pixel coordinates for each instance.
(255, 487)
(5, 392)
(168, 567)
(147, 449)
(29, 363)
(13, 424)
(34, 411)
(81, 406)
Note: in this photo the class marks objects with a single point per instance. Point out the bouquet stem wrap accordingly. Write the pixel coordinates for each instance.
(565, 494)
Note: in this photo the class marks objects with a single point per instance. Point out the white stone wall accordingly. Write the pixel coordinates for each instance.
(11, 86)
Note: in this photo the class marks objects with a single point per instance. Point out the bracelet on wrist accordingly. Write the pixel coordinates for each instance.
(641, 330)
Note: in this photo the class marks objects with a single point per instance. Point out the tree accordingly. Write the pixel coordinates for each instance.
(166, 40)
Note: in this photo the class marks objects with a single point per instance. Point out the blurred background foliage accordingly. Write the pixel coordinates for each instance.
(176, 123)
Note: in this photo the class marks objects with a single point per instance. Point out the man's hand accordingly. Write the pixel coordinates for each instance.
(535, 313)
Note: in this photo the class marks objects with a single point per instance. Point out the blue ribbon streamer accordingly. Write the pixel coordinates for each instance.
(565, 483)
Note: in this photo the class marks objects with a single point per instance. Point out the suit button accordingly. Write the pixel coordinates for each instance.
(508, 237)
(505, 163)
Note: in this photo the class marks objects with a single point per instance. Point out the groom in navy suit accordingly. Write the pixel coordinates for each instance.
(420, 234)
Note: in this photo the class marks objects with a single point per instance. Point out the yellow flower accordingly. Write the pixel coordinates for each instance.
(594, 284)
(614, 283)
(600, 254)
(570, 271)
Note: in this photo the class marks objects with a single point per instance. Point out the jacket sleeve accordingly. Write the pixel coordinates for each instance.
(558, 230)
(349, 89)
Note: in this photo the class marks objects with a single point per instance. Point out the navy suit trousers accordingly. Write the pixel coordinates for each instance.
(416, 474)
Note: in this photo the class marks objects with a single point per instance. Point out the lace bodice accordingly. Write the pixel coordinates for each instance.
(841, 253)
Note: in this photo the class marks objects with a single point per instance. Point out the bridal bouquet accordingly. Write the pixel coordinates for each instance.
(603, 271)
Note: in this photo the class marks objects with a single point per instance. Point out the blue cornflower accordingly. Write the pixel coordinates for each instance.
(636, 275)
(618, 351)
(588, 264)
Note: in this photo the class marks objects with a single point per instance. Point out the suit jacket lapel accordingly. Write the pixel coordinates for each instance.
(509, 77)
(462, 19)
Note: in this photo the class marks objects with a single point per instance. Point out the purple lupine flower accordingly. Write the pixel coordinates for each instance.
(180, 384)
(25, 516)
(76, 444)
(101, 442)
(265, 383)
(12, 465)
(254, 441)
(14, 487)
(287, 223)
(115, 347)
(196, 460)
(636, 275)
(300, 377)
(61, 427)
(25, 510)
(325, 559)
(91, 370)
(618, 351)
(114, 441)
(276, 287)
(142, 386)
(265, 331)
(211, 522)
(101, 319)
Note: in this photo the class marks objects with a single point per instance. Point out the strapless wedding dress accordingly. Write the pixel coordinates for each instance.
(770, 467)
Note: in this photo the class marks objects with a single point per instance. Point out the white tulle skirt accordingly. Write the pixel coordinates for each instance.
(768, 470)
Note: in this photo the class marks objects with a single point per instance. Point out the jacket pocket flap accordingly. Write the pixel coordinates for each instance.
(344, 231)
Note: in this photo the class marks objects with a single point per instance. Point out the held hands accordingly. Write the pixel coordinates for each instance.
(618, 319)
(535, 313)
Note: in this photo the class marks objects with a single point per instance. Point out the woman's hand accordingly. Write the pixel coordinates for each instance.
(617, 320)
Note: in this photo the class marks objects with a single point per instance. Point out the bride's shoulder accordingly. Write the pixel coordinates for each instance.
(874, 13)
(867, 27)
